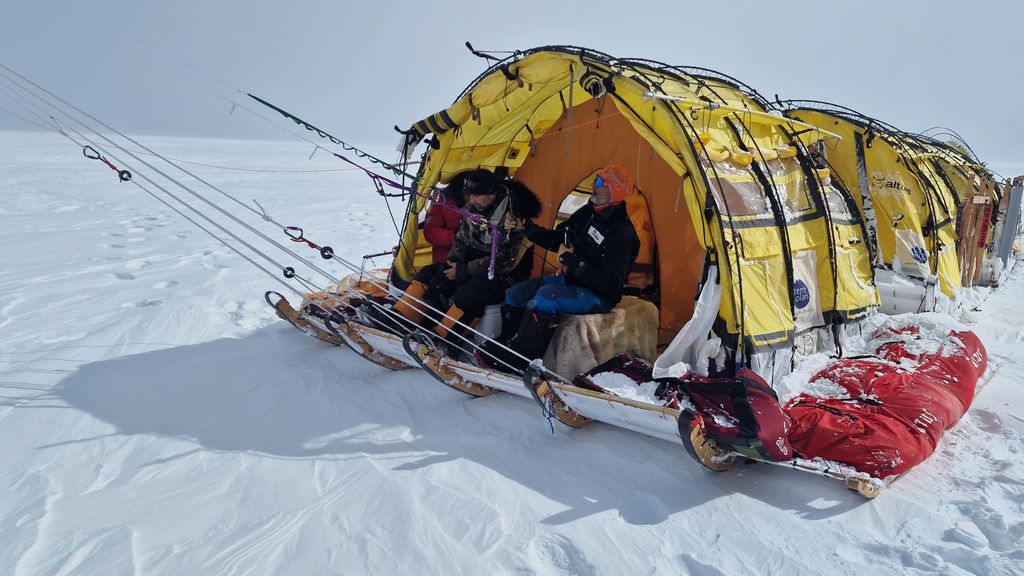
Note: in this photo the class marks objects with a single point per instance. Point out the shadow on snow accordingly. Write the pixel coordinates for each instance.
(276, 393)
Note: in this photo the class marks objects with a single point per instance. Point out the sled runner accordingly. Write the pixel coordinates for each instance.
(292, 316)
(329, 316)
(432, 358)
(369, 343)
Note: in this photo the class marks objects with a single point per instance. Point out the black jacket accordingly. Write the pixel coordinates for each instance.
(604, 247)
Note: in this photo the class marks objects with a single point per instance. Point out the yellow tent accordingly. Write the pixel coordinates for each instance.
(724, 181)
(903, 193)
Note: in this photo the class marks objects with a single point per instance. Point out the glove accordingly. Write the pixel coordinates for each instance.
(568, 259)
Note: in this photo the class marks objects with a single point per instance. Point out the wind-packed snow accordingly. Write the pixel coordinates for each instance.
(158, 419)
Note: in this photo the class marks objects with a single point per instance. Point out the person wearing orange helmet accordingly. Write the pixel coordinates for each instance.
(597, 247)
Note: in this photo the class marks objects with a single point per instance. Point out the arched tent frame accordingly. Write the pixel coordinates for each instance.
(704, 151)
(904, 191)
(961, 171)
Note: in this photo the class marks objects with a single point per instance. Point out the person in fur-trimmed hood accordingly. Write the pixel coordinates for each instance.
(460, 285)
(597, 247)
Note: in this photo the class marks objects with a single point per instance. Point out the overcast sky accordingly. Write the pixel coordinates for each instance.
(358, 68)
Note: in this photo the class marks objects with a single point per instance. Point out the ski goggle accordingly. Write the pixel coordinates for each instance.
(598, 182)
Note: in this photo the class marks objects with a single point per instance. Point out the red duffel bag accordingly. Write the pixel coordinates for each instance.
(897, 410)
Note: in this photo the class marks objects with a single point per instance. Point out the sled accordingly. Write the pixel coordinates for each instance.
(363, 340)
(435, 362)
(711, 456)
(725, 213)
(542, 390)
(286, 312)
(332, 327)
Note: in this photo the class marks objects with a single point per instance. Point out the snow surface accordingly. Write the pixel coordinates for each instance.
(625, 387)
(158, 419)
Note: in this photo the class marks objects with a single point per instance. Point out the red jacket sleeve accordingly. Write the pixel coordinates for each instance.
(438, 227)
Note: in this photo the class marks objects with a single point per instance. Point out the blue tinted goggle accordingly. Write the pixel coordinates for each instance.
(598, 182)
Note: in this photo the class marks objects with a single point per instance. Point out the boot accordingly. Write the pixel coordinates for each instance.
(387, 319)
(488, 354)
(511, 317)
(454, 335)
(447, 324)
(534, 334)
(530, 340)
(410, 304)
(492, 353)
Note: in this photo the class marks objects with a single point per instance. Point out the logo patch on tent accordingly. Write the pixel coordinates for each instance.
(801, 294)
(919, 254)
(888, 185)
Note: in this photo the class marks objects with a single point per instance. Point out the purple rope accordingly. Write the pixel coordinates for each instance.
(494, 252)
(473, 218)
(378, 179)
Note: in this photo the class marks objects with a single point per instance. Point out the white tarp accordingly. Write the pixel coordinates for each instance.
(687, 348)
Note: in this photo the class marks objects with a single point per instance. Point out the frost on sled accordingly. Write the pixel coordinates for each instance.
(755, 242)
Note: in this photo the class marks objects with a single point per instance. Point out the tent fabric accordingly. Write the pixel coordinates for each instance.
(899, 405)
(556, 167)
(642, 274)
(725, 181)
(904, 191)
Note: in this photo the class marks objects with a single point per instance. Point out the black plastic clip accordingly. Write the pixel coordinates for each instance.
(480, 54)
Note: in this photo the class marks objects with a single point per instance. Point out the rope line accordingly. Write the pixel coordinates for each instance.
(97, 146)
(165, 175)
(27, 121)
(306, 283)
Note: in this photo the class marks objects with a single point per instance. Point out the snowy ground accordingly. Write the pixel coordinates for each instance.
(158, 419)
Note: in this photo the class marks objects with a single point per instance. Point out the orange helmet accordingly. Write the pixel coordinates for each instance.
(618, 179)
